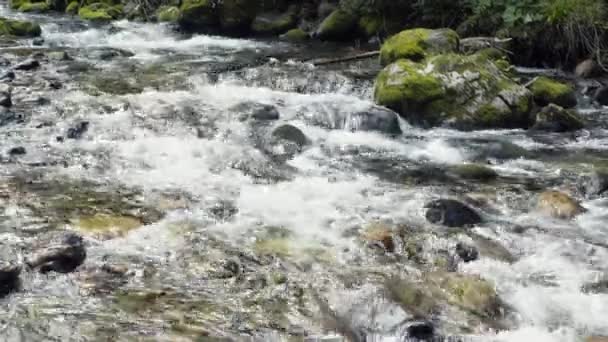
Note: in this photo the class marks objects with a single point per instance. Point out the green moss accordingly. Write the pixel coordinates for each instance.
(198, 14)
(405, 82)
(37, 7)
(546, 91)
(167, 14)
(295, 36)
(115, 86)
(18, 28)
(72, 8)
(489, 115)
(338, 25)
(100, 12)
(414, 298)
(276, 247)
(416, 44)
(370, 25)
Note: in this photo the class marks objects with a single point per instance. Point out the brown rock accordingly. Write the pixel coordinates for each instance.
(559, 205)
(379, 234)
(587, 69)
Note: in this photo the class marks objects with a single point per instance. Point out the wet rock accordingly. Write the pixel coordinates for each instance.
(587, 69)
(422, 331)
(273, 24)
(223, 210)
(296, 35)
(375, 119)
(257, 111)
(5, 95)
(38, 41)
(597, 339)
(285, 142)
(78, 130)
(596, 183)
(466, 252)
(106, 54)
(19, 28)
(554, 118)
(473, 172)
(380, 235)
(28, 65)
(62, 253)
(600, 286)
(17, 151)
(601, 96)
(55, 84)
(9, 277)
(415, 298)
(8, 76)
(451, 213)
(558, 205)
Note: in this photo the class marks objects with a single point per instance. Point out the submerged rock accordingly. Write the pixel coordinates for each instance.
(558, 205)
(378, 234)
(417, 44)
(451, 213)
(105, 226)
(27, 65)
(466, 252)
(463, 92)
(596, 183)
(78, 130)
(601, 96)
(62, 253)
(256, 111)
(554, 118)
(273, 24)
(17, 151)
(423, 331)
(5, 95)
(473, 172)
(546, 91)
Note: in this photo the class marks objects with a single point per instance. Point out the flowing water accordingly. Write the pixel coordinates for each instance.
(237, 242)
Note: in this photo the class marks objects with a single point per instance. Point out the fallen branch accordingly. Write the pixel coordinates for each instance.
(326, 61)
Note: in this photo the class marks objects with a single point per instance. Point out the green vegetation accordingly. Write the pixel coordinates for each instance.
(18, 28)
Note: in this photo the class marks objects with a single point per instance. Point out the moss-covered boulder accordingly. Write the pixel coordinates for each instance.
(19, 28)
(559, 205)
(237, 15)
(167, 14)
(370, 25)
(106, 226)
(34, 7)
(273, 24)
(554, 118)
(100, 12)
(417, 44)
(198, 15)
(72, 8)
(546, 91)
(339, 25)
(295, 36)
(463, 92)
(470, 293)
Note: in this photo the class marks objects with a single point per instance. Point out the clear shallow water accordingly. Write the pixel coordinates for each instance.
(151, 141)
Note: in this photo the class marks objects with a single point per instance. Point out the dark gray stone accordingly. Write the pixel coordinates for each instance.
(451, 213)
(62, 254)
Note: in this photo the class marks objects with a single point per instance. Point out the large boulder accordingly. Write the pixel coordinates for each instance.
(198, 14)
(167, 14)
(546, 91)
(19, 28)
(417, 44)
(273, 24)
(34, 7)
(339, 25)
(554, 118)
(237, 15)
(463, 92)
